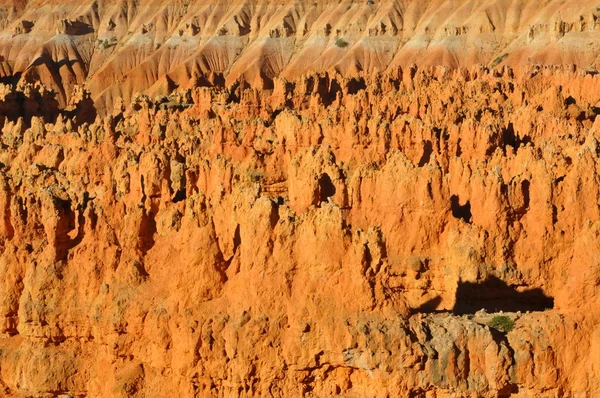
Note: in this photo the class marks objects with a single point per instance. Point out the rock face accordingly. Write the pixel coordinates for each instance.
(121, 48)
(331, 236)
(299, 199)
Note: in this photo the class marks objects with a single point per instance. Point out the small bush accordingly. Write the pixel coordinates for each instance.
(256, 176)
(499, 60)
(341, 43)
(502, 323)
(107, 43)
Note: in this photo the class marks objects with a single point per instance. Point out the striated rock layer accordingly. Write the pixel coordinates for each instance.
(119, 48)
(331, 236)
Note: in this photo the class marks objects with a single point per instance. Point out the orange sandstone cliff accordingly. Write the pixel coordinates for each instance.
(299, 199)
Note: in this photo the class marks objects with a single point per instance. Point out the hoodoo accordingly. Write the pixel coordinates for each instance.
(382, 198)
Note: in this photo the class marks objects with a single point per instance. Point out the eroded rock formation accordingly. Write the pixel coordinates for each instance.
(333, 235)
(121, 48)
(299, 199)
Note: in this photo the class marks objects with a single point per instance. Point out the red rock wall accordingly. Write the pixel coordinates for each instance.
(330, 236)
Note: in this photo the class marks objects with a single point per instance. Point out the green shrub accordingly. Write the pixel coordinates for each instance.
(341, 43)
(499, 60)
(107, 43)
(502, 323)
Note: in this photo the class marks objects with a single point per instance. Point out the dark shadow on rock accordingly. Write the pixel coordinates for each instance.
(11, 79)
(267, 82)
(235, 91)
(27, 26)
(83, 112)
(508, 390)
(326, 188)
(28, 104)
(495, 295)
(213, 79)
(428, 307)
(67, 62)
(75, 28)
(328, 89)
(511, 138)
(460, 211)
(355, 85)
(179, 196)
(427, 152)
(146, 232)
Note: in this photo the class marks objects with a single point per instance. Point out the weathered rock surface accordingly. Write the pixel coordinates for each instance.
(231, 241)
(120, 48)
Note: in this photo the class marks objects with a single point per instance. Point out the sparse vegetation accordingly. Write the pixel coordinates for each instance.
(341, 43)
(107, 43)
(499, 60)
(256, 176)
(502, 323)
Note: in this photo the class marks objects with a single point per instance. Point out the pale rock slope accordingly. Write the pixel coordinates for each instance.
(119, 48)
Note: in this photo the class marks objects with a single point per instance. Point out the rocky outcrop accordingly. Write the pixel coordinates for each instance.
(333, 235)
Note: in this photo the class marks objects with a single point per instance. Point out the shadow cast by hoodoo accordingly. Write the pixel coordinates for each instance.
(429, 307)
(326, 188)
(459, 211)
(495, 295)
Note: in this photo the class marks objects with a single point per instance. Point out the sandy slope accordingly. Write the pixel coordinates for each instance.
(118, 48)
